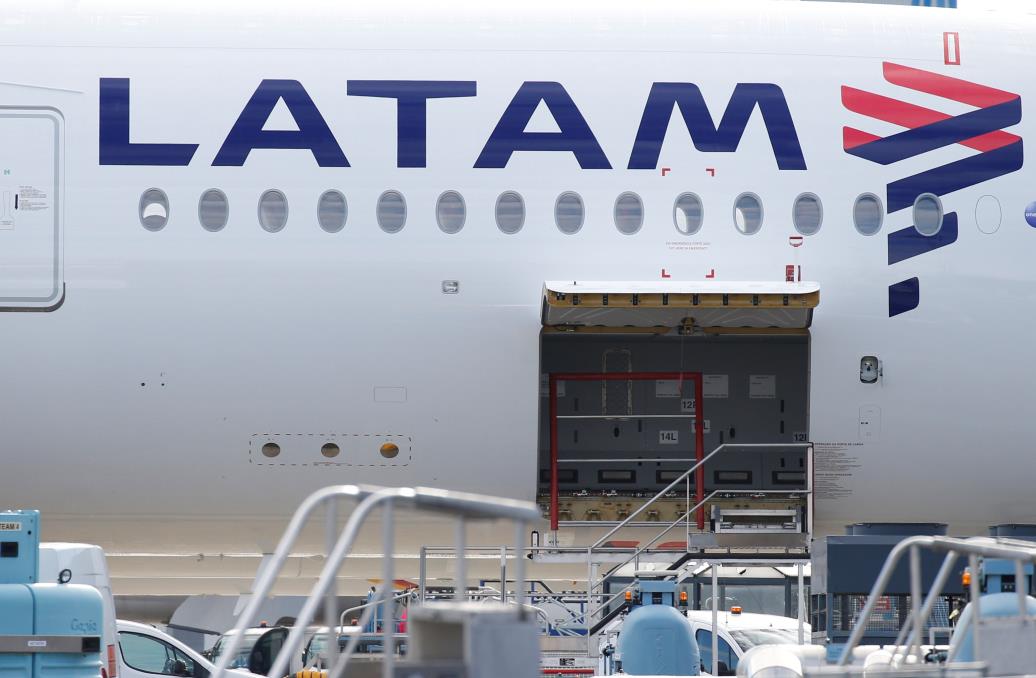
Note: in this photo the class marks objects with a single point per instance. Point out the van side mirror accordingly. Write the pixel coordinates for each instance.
(180, 668)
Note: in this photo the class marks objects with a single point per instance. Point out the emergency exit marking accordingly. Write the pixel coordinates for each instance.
(668, 437)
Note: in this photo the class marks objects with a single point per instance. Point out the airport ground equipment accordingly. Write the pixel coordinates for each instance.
(46, 630)
(996, 634)
(845, 567)
(447, 640)
(19, 547)
(1002, 642)
(1000, 576)
(656, 639)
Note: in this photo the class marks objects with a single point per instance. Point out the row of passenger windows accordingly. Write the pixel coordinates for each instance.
(569, 212)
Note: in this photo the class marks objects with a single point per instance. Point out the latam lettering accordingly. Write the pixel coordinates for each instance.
(510, 135)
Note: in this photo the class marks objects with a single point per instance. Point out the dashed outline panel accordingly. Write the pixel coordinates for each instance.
(254, 454)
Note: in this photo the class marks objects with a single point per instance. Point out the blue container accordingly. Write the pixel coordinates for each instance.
(656, 640)
(992, 606)
(17, 618)
(61, 626)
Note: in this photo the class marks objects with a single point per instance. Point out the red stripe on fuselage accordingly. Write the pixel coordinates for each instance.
(946, 87)
(910, 116)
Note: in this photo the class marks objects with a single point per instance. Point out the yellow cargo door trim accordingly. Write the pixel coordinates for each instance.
(711, 306)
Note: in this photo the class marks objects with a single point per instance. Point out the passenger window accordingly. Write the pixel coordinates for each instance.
(154, 209)
(332, 211)
(727, 656)
(450, 212)
(510, 212)
(213, 210)
(808, 214)
(688, 213)
(273, 211)
(928, 214)
(152, 655)
(391, 211)
(748, 213)
(629, 213)
(568, 213)
(868, 214)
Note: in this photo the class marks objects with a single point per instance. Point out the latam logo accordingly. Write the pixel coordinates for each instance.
(510, 134)
(981, 130)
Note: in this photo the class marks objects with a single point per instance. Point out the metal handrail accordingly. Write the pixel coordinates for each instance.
(683, 477)
(586, 615)
(461, 505)
(341, 618)
(684, 518)
(974, 547)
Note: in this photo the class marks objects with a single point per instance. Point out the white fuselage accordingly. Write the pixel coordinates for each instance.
(134, 408)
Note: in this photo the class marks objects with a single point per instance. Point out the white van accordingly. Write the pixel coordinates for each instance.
(738, 632)
(85, 564)
(146, 652)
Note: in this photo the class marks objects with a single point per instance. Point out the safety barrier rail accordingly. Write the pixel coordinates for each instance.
(461, 506)
(912, 633)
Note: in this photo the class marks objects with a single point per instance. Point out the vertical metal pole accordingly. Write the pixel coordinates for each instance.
(460, 584)
(503, 575)
(916, 597)
(519, 565)
(976, 595)
(687, 515)
(699, 444)
(331, 602)
(1021, 589)
(588, 616)
(715, 620)
(802, 604)
(388, 626)
(553, 381)
(810, 460)
(422, 581)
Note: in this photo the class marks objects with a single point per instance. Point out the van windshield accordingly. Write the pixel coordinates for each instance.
(749, 638)
(240, 660)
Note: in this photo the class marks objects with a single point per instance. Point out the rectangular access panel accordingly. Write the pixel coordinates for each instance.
(31, 206)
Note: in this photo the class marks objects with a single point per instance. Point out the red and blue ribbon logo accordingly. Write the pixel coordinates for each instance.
(926, 130)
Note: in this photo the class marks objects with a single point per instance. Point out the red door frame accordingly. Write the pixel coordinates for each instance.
(699, 428)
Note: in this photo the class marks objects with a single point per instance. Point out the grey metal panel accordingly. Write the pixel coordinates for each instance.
(850, 564)
(48, 644)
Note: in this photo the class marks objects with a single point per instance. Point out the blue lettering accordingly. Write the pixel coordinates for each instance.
(411, 110)
(313, 132)
(574, 135)
(114, 133)
(706, 136)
